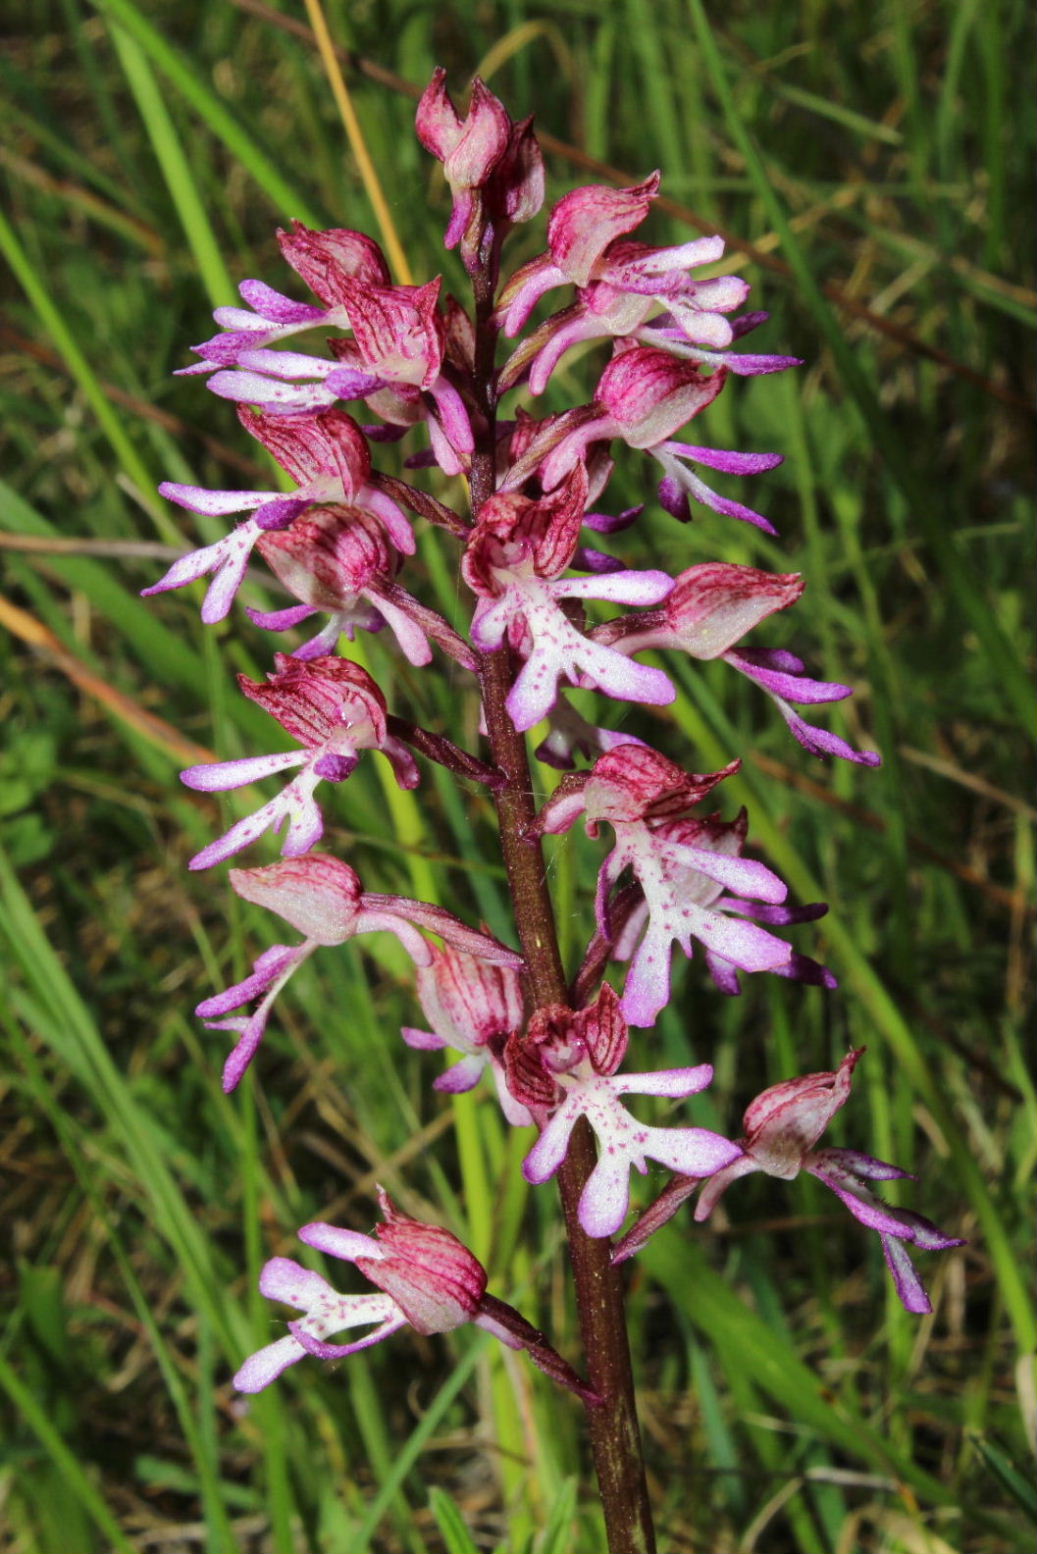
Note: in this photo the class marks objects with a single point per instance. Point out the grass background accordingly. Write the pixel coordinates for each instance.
(869, 165)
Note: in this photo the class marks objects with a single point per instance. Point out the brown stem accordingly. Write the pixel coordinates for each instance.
(614, 1434)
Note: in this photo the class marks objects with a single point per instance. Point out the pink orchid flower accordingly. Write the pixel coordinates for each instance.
(684, 868)
(711, 608)
(472, 1007)
(338, 560)
(781, 1127)
(514, 561)
(620, 286)
(335, 710)
(427, 1279)
(579, 1055)
(327, 454)
(322, 898)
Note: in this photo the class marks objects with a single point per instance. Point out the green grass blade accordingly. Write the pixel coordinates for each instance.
(64, 1460)
(64, 1022)
(881, 1006)
(751, 1342)
(557, 1536)
(204, 1450)
(412, 1448)
(176, 169)
(286, 198)
(1014, 682)
(456, 1537)
(110, 420)
(1018, 1486)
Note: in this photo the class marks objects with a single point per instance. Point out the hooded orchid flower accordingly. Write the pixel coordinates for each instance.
(395, 357)
(338, 561)
(327, 454)
(579, 1055)
(620, 285)
(472, 1007)
(684, 867)
(427, 1280)
(514, 561)
(324, 260)
(645, 395)
(709, 610)
(335, 710)
(322, 898)
(782, 1126)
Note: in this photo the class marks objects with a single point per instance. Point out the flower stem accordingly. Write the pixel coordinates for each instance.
(614, 1433)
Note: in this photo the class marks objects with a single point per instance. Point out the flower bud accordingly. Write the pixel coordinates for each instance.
(468, 148)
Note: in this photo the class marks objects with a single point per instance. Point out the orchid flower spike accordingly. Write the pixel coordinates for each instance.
(337, 541)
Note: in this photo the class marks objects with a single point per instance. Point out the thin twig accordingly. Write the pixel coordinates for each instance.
(369, 177)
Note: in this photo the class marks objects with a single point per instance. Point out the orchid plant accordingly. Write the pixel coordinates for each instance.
(552, 1041)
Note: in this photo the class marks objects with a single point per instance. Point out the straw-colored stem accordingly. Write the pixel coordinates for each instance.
(369, 177)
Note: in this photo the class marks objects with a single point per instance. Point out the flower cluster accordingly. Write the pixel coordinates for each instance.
(411, 362)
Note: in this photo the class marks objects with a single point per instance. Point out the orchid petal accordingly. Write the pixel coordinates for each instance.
(691, 1151)
(215, 504)
(905, 1278)
(549, 1150)
(263, 1367)
(324, 1351)
(220, 776)
(742, 874)
(423, 1041)
(677, 1083)
(461, 1077)
(338, 1242)
(605, 1200)
(617, 587)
